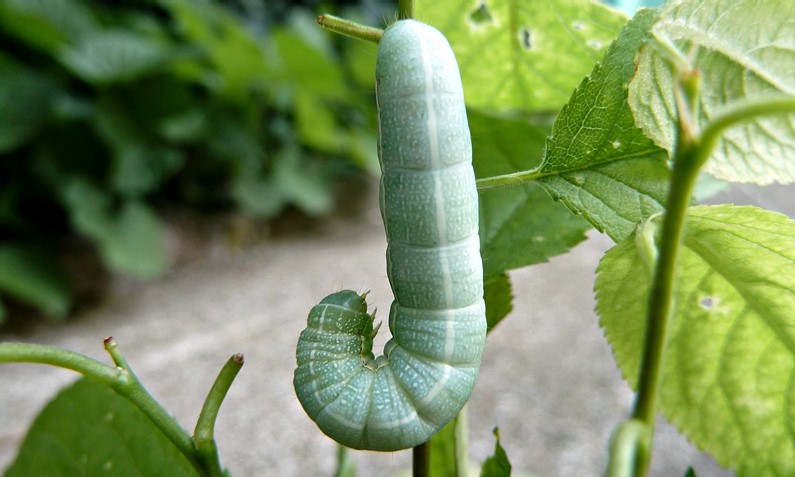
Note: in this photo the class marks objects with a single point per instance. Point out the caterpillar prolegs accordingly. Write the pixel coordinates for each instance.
(430, 210)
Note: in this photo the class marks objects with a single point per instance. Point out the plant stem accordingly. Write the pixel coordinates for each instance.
(350, 28)
(405, 9)
(687, 162)
(115, 354)
(204, 434)
(629, 444)
(514, 178)
(691, 153)
(135, 391)
(661, 296)
(743, 112)
(121, 379)
(420, 460)
(43, 354)
(138, 395)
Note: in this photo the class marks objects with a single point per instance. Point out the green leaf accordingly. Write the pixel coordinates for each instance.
(90, 431)
(46, 24)
(303, 183)
(497, 464)
(137, 243)
(726, 381)
(300, 65)
(130, 240)
(520, 225)
(293, 180)
(499, 299)
(742, 50)
(523, 55)
(259, 196)
(597, 162)
(316, 124)
(140, 163)
(112, 56)
(237, 57)
(32, 276)
(25, 105)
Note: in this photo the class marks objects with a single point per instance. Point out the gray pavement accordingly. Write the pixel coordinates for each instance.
(548, 379)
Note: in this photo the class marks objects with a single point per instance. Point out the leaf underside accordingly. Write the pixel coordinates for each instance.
(597, 162)
(742, 50)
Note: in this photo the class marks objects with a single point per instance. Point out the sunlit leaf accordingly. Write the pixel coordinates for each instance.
(727, 379)
(742, 49)
(524, 56)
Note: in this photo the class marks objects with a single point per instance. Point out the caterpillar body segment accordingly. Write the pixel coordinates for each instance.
(430, 210)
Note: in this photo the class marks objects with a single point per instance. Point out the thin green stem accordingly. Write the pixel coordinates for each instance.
(115, 354)
(135, 391)
(405, 9)
(43, 354)
(742, 112)
(421, 460)
(512, 179)
(462, 441)
(120, 378)
(629, 444)
(691, 153)
(660, 299)
(345, 464)
(350, 28)
(204, 434)
(687, 161)
(138, 395)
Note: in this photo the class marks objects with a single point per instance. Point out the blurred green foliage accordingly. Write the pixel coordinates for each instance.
(108, 110)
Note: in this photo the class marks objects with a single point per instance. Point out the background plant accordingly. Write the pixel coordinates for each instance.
(114, 112)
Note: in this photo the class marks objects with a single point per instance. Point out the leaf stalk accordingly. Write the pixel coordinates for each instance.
(204, 433)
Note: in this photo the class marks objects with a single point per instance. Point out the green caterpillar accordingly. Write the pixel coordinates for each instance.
(430, 209)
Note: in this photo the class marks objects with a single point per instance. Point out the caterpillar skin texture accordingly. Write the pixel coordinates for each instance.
(430, 209)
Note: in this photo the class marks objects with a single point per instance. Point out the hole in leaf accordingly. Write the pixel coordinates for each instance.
(707, 303)
(481, 15)
(526, 38)
(595, 44)
(578, 25)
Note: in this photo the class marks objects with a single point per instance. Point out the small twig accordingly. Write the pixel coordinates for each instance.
(350, 28)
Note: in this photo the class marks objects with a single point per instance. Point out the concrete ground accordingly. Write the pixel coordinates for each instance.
(548, 379)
